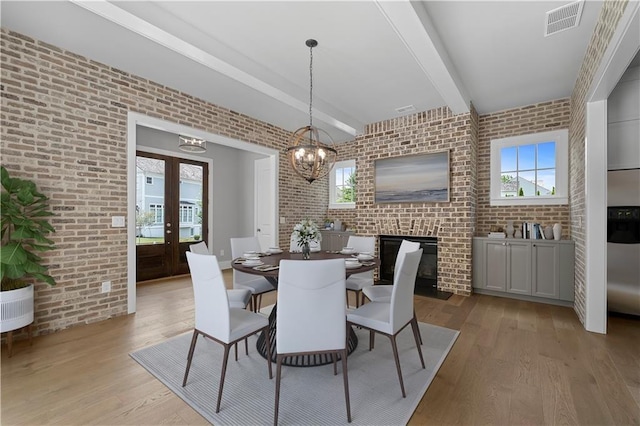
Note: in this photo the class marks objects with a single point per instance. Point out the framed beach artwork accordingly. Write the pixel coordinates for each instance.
(422, 178)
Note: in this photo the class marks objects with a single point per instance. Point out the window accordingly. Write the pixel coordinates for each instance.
(342, 185)
(149, 180)
(186, 213)
(530, 169)
(158, 212)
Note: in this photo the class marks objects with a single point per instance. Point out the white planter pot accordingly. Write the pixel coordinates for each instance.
(16, 308)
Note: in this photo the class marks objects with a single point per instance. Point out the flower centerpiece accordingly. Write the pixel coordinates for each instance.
(305, 232)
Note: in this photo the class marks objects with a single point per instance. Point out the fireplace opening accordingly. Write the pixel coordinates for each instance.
(427, 277)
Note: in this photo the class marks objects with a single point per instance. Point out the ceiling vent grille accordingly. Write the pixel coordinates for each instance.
(404, 109)
(563, 18)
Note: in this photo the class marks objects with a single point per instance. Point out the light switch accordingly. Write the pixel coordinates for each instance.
(282, 220)
(117, 222)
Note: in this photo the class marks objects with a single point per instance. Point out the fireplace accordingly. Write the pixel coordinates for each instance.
(427, 277)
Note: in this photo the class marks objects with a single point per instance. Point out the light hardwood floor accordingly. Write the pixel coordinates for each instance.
(513, 363)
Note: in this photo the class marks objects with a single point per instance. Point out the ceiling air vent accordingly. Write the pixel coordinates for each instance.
(563, 18)
(404, 109)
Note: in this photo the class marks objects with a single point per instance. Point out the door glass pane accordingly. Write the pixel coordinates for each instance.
(190, 212)
(150, 203)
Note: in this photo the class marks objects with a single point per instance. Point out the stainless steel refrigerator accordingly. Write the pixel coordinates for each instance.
(623, 241)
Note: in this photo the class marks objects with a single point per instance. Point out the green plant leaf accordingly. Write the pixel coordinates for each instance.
(33, 268)
(23, 232)
(12, 271)
(12, 254)
(46, 278)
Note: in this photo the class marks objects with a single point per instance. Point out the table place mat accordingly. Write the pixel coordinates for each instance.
(265, 268)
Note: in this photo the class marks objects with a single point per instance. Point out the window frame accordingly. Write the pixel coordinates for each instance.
(186, 211)
(561, 139)
(332, 185)
(155, 208)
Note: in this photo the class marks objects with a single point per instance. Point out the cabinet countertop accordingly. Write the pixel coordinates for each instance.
(524, 239)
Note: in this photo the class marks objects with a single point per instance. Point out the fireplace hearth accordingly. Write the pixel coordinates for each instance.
(427, 277)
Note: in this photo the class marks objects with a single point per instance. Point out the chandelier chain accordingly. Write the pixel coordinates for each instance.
(310, 85)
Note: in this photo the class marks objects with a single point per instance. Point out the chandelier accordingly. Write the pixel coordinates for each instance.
(308, 156)
(188, 144)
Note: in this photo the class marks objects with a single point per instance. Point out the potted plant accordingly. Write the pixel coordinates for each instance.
(24, 230)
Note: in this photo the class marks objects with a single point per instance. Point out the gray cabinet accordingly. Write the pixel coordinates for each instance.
(529, 269)
(334, 240)
(510, 266)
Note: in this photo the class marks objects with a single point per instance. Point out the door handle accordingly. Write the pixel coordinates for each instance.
(168, 231)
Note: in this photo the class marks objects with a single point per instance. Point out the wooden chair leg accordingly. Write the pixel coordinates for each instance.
(246, 346)
(222, 374)
(235, 347)
(395, 356)
(346, 384)
(416, 319)
(266, 333)
(192, 348)
(416, 336)
(334, 358)
(278, 371)
(259, 302)
(372, 339)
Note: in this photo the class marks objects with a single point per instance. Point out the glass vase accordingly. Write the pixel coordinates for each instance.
(306, 251)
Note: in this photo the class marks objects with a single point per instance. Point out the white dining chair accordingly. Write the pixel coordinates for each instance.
(214, 318)
(256, 284)
(357, 282)
(391, 318)
(295, 247)
(312, 316)
(239, 297)
(382, 292)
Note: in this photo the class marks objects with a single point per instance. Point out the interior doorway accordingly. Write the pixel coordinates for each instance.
(227, 181)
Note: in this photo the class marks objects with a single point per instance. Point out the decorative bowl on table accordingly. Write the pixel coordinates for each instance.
(364, 256)
(352, 263)
(252, 262)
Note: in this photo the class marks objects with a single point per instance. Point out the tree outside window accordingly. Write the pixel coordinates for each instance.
(342, 185)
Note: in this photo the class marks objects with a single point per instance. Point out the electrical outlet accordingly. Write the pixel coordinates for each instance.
(117, 222)
(222, 252)
(283, 220)
(106, 286)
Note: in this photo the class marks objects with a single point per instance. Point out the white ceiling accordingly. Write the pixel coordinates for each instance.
(372, 57)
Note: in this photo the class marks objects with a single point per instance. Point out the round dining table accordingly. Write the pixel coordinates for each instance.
(269, 269)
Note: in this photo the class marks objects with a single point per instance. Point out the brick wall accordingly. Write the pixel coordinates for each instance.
(64, 125)
(607, 22)
(453, 222)
(537, 118)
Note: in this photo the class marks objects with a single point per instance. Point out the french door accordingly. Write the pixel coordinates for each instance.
(171, 213)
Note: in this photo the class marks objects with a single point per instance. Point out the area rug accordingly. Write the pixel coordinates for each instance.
(308, 395)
